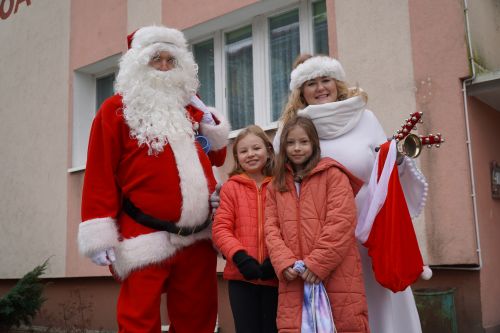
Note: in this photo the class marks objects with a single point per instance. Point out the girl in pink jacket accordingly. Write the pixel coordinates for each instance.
(311, 217)
(238, 232)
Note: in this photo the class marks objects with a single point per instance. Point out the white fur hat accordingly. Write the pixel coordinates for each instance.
(315, 67)
(146, 36)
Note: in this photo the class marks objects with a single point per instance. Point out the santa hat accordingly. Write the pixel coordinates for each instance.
(146, 36)
(147, 42)
(316, 67)
(386, 229)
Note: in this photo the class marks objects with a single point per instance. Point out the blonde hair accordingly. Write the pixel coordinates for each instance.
(296, 99)
(268, 169)
(307, 125)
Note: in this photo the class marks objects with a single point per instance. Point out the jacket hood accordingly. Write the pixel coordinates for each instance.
(326, 163)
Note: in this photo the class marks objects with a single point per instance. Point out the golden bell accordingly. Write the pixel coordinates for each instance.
(410, 146)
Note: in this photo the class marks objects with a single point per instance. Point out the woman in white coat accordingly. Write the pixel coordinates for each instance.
(350, 133)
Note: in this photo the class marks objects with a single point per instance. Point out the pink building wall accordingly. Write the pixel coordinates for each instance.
(183, 14)
(98, 30)
(440, 61)
(485, 137)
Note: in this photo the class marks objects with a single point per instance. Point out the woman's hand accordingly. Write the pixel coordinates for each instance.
(310, 277)
(290, 274)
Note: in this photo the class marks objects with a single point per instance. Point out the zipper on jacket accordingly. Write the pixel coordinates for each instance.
(299, 225)
(260, 223)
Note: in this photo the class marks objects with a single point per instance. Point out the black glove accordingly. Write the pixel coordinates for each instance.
(248, 266)
(267, 269)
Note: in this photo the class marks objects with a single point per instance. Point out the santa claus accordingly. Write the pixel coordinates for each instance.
(145, 205)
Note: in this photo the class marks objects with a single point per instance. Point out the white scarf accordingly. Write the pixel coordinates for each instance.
(336, 118)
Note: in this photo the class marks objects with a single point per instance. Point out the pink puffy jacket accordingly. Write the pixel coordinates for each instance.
(317, 226)
(239, 224)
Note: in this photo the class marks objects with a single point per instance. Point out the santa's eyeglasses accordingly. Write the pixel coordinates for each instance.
(158, 60)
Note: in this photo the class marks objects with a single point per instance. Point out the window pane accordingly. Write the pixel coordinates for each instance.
(204, 56)
(320, 27)
(104, 89)
(284, 43)
(239, 77)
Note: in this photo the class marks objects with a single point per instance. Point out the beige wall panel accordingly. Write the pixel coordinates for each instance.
(182, 14)
(141, 13)
(440, 61)
(484, 16)
(33, 132)
(374, 46)
(484, 122)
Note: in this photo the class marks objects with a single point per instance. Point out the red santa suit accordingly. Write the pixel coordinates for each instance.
(172, 183)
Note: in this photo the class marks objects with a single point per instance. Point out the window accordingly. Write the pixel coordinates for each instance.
(284, 40)
(320, 28)
(104, 88)
(239, 77)
(204, 54)
(245, 70)
(92, 84)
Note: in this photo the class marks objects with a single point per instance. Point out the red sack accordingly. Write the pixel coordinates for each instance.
(392, 243)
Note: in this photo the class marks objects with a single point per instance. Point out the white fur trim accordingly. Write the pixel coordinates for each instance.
(217, 135)
(158, 34)
(193, 183)
(153, 248)
(426, 273)
(97, 235)
(316, 67)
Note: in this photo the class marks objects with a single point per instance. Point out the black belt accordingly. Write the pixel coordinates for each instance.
(157, 224)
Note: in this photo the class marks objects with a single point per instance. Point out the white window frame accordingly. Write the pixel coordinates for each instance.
(258, 17)
(84, 106)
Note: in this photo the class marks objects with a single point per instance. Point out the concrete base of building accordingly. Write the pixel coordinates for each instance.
(467, 299)
(90, 303)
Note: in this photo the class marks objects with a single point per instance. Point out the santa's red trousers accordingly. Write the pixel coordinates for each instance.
(190, 281)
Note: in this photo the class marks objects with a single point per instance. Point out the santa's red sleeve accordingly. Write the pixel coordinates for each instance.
(385, 226)
(101, 197)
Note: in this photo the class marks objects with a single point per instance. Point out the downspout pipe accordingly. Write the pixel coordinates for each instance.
(466, 83)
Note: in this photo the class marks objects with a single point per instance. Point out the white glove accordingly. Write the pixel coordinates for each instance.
(207, 116)
(215, 198)
(104, 257)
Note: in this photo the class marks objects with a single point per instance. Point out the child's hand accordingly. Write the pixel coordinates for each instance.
(267, 270)
(310, 277)
(290, 274)
(248, 266)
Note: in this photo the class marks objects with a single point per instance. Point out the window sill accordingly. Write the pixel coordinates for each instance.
(76, 169)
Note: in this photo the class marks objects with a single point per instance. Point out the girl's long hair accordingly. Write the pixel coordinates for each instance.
(257, 131)
(282, 161)
(297, 102)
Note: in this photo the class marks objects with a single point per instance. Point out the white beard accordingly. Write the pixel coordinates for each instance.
(154, 101)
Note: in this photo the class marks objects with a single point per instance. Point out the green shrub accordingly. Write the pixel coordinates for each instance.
(23, 301)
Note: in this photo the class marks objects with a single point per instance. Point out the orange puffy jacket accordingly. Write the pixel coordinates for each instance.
(317, 226)
(239, 224)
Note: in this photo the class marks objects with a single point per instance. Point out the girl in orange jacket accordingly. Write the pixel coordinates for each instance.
(311, 217)
(238, 232)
